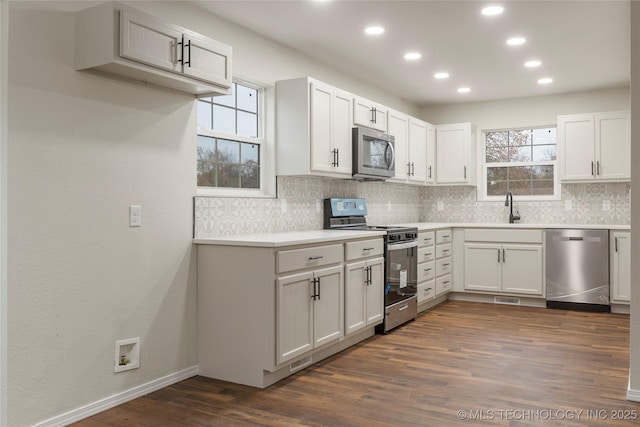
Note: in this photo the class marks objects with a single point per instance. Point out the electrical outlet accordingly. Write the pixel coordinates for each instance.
(127, 355)
(318, 205)
(606, 205)
(135, 215)
(440, 205)
(283, 206)
(568, 205)
(388, 206)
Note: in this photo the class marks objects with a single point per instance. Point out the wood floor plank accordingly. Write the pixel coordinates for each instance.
(500, 365)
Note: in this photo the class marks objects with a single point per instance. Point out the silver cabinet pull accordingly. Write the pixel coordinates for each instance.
(616, 243)
(504, 256)
(498, 255)
(592, 168)
(598, 167)
(404, 307)
(314, 258)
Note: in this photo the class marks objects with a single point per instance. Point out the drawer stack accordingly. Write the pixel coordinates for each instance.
(426, 266)
(444, 265)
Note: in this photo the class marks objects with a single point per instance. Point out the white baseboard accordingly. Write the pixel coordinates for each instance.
(633, 395)
(118, 399)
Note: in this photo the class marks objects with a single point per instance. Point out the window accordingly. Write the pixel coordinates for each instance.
(522, 161)
(230, 141)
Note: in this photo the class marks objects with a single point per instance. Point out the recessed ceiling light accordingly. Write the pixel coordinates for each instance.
(441, 75)
(545, 81)
(412, 56)
(516, 41)
(374, 30)
(532, 64)
(492, 10)
(464, 90)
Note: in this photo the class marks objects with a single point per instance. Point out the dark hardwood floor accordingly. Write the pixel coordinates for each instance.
(459, 364)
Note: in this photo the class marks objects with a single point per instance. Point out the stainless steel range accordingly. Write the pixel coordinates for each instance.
(401, 258)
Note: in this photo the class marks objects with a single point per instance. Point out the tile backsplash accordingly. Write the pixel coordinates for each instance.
(296, 207)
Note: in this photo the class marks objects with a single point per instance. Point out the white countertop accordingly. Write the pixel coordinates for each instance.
(289, 238)
(274, 240)
(424, 226)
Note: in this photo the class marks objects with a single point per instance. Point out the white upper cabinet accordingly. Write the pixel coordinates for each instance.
(594, 147)
(118, 39)
(314, 128)
(398, 126)
(456, 154)
(418, 150)
(368, 113)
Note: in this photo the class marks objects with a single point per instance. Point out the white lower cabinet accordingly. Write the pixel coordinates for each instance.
(364, 296)
(309, 307)
(620, 267)
(496, 267)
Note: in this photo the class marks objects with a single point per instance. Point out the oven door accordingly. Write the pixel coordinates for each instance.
(401, 271)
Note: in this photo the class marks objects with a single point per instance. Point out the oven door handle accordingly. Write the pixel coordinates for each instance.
(403, 245)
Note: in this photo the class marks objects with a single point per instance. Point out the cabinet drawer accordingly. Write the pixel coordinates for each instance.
(426, 271)
(443, 250)
(426, 254)
(443, 266)
(426, 238)
(364, 249)
(299, 259)
(443, 284)
(443, 236)
(426, 291)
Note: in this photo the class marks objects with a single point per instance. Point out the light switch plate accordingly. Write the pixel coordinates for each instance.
(568, 205)
(440, 205)
(283, 206)
(606, 205)
(135, 216)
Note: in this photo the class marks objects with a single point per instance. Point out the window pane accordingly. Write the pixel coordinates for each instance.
(519, 138)
(544, 136)
(497, 155)
(228, 151)
(542, 188)
(519, 173)
(497, 139)
(204, 115)
(206, 147)
(250, 176)
(228, 175)
(247, 99)
(224, 119)
(520, 188)
(542, 172)
(250, 153)
(521, 154)
(543, 153)
(497, 188)
(495, 174)
(247, 124)
(206, 174)
(228, 100)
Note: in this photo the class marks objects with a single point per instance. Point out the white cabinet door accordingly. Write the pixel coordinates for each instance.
(418, 150)
(522, 269)
(576, 138)
(144, 39)
(207, 60)
(328, 307)
(342, 124)
(369, 114)
(375, 291)
(452, 154)
(295, 316)
(364, 297)
(613, 146)
(399, 127)
(482, 268)
(621, 267)
(330, 129)
(431, 154)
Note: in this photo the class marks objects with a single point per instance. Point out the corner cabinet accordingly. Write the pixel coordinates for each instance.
(595, 147)
(410, 147)
(620, 267)
(313, 126)
(504, 261)
(456, 154)
(117, 39)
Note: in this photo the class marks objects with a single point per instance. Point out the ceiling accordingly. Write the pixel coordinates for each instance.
(583, 45)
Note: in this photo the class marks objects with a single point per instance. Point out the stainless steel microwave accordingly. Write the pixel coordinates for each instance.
(373, 154)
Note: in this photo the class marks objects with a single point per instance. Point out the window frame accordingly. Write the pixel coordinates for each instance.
(264, 141)
(483, 165)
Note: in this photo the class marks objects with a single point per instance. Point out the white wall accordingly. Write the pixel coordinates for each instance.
(84, 147)
(532, 111)
(4, 32)
(634, 359)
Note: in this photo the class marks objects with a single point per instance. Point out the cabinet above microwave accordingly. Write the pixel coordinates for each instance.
(118, 39)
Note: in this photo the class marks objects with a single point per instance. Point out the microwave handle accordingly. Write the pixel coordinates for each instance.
(393, 154)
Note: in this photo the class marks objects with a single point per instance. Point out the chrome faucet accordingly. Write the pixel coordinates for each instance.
(512, 218)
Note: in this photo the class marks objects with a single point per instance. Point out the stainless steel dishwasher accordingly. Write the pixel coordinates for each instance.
(577, 265)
